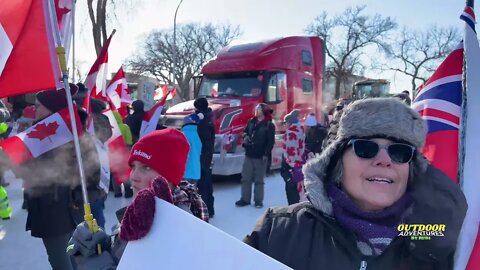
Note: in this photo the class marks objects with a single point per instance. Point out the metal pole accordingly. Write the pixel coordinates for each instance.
(92, 224)
(175, 44)
(73, 41)
(463, 119)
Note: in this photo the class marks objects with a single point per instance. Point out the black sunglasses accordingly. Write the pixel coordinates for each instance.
(398, 152)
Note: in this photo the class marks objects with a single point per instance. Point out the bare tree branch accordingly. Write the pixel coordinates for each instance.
(418, 53)
(102, 13)
(196, 44)
(354, 33)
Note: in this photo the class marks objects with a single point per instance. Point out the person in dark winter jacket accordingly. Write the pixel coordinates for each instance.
(103, 128)
(134, 120)
(315, 134)
(258, 141)
(50, 182)
(206, 132)
(154, 174)
(365, 188)
(405, 97)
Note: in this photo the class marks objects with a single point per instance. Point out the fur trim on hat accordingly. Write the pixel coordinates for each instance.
(383, 117)
(369, 118)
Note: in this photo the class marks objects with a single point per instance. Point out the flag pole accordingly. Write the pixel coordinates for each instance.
(463, 120)
(73, 40)
(91, 222)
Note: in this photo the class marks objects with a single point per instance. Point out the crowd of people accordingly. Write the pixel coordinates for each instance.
(349, 183)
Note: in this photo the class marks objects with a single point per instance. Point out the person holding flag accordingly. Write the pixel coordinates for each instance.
(153, 174)
(371, 194)
(52, 177)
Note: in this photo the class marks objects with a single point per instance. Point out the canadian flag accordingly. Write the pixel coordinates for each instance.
(27, 48)
(150, 119)
(163, 91)
(117, 91)
(97, 76)
(118, 151)
(64, 11)
(48, 134)
(88, 109)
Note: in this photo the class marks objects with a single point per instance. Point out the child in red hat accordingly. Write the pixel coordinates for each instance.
(155, 172)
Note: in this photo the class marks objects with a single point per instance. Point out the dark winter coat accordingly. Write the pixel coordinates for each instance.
(52, 184)
(102, 126)
(307, 236)
(258, 138)
(206, 132)
(134, 120)
(314, 138)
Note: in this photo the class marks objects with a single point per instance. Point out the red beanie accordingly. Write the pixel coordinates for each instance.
(165, 151)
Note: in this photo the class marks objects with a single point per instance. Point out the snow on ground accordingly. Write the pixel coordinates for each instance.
(18, 250)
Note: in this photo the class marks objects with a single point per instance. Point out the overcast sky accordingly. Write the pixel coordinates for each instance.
(258, 20)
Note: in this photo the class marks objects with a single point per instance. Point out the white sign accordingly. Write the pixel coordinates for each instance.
(179, 240)
(148, 93)
(102, 151)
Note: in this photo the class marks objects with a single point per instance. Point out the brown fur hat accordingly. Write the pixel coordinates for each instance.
(368, 118)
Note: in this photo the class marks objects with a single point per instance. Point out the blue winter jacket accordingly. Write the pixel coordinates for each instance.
(192, 171)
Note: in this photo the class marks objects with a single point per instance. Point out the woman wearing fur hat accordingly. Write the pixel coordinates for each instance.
(154, 173)
(365, 186)
(293, 156)
(258, 141)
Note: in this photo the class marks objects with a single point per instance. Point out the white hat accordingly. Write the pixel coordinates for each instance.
(311, 121)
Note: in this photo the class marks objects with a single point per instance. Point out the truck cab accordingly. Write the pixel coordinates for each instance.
(285, 73)
(371, 88)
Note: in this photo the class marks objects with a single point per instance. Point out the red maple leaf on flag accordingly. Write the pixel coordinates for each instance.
(42, 131)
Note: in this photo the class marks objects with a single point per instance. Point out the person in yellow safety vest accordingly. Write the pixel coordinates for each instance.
(5, 209)
(124, 129)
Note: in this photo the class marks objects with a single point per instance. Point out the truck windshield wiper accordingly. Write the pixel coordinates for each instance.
(227, 95)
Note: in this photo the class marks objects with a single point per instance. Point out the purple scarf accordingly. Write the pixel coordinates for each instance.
(374, 229)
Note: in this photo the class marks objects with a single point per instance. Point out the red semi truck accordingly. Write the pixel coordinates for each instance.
(286, 73)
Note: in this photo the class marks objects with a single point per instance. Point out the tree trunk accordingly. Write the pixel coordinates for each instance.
(184, 87)
(338, 81)
(414, 86)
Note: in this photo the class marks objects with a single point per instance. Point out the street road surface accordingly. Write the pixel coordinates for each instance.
(18, 250)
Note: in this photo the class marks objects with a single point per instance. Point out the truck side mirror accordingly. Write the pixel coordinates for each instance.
(277, 88)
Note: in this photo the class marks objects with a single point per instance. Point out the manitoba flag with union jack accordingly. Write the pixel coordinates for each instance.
(441, 104)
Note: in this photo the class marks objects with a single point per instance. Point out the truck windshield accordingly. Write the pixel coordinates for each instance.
(238, 86)
(371, 90)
